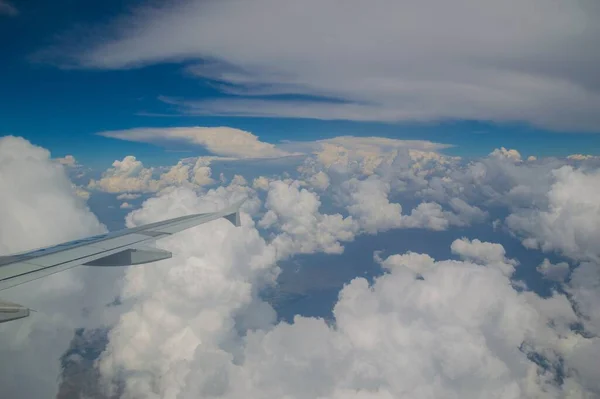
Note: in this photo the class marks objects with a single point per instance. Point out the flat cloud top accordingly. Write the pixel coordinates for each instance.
(386, 60)
(223, 141)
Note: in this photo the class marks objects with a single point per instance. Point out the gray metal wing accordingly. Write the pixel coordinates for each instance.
(119, 248)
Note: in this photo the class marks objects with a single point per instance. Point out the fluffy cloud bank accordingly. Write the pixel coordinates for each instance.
(39, 207)
(435, 61)
(195, 325)
(571, 221)
(130, 175)
(197, 297)
(426, 328)
(37, 197)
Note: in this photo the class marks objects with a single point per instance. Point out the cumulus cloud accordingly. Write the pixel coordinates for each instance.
(511, 154)
(39, 208)
(500, 179)
(128, 196)
(37, 197)
(196, 326)
(223, 141)
(363, 154)
(439, 61)
(126, 175)
(81, 192)
(425, 328)
(199, 295)
(570, 223)
(126, 205)
(68, 160)
(319, 180)
(294, 212)
(130, 175)
(261, 183)
(368, 202)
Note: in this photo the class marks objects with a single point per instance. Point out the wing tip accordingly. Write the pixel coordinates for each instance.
(234, 215)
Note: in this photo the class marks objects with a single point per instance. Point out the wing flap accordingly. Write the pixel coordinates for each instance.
(121, 241)
(132, 256)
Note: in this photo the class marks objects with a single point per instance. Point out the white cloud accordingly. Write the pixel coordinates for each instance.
(435, 61)
(368, 202)
(126, 175)
(81, 192)
(511, 154)
(570, 223)
(196, 327)
(319, 180)
(580, 157)
(68, 160)
(484, 253)
(426, 328)
(39, 208)
(128, 196)
(187, 306)
(37, 198)
(130, 175)
(294, 212)
(261, 183)
(363, 154)
(8, 9)
(427, 215)
(496, 180)
(223, 141)
(126, 205)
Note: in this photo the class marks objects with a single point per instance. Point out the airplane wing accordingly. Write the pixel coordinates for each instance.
(118, 248)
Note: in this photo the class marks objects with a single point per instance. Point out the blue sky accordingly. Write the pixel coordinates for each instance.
(62, 108)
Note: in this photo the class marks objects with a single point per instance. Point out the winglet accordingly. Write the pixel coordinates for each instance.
(233, 213)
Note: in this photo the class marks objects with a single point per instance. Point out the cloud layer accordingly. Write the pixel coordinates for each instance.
(195, 325)
(532, 61)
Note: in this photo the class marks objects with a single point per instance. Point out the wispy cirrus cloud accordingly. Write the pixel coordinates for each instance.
(385, 60)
